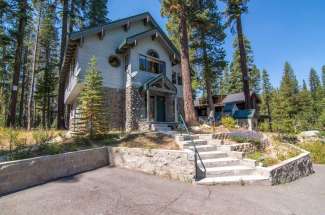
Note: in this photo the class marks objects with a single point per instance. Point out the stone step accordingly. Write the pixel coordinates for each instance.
(202, 148)
(220, 162)
(186, 137)
(213, 154)
(197, 142)
(229, 171)
(240, 179)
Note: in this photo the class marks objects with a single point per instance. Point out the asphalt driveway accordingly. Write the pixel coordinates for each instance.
(120, 191)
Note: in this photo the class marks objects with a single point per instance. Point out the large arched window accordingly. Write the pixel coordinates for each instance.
(152, 53)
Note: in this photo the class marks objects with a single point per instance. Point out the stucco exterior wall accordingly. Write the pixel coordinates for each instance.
(102, 49)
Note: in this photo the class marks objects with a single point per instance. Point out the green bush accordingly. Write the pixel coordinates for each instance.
(42, 136)
(50, 149)
(264, 126)
(268, 161)
(228, 122)
(242, 139)
(255, 155)
(316, 149)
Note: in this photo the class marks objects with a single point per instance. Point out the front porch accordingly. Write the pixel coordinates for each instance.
(157, 103)
(160, 103)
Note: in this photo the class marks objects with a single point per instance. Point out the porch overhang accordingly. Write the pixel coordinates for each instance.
(160, 83)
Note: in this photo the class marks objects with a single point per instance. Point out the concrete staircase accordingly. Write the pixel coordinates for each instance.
(222, 165)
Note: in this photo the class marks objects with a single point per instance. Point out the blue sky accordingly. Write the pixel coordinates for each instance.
(279, 30)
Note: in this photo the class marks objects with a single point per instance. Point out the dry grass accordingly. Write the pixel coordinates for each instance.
(24, 136)
(21, 144)
(274, 153)
(316, 149)
(206, 129)
(147, 140)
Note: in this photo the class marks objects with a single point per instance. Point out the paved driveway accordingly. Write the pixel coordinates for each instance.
(120, 191)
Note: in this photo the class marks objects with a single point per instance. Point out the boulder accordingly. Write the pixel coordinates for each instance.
(309, 135)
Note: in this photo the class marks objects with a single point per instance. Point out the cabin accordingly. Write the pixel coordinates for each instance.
(140, 68)
(231, 105)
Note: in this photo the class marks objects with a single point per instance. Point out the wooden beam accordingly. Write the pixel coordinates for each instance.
(101, 34)
(155, 36)
(146, 20)
(126, 26)
(162, 90)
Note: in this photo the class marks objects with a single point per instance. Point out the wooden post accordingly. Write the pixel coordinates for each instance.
(148, 105)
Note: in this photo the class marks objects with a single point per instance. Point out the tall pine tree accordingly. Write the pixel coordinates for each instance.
(236, 83)
(234, 11)
(207, 39)
(285, 101)
(97, 13)
(181, 10)
(267, 97)
(92, 101)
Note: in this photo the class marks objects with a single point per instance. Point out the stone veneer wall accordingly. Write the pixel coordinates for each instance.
(133, 108)
(289, 170)
(115, 107)
(171, 164)
(20, 174)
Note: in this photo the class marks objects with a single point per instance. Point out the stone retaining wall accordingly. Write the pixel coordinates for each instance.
(291, 169)
(17, 175)
(171, 164)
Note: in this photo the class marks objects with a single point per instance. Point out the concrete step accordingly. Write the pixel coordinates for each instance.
(213, 154)
(197, 142)
(204, 136)
(229, 171)
(186, 137)
(159, 126)
(220, 162)
(202, 148)
(241, 180)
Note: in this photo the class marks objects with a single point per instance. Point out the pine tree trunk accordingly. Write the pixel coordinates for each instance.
(22, 94)
(64, 30)
(243, 63)
(32, 79)
(18, 55)
(207, 76)
(190, 116)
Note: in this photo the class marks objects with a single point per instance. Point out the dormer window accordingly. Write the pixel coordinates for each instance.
(153, 53)
(151, 64)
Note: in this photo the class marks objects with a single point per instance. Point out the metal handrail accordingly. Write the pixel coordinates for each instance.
(196, 152)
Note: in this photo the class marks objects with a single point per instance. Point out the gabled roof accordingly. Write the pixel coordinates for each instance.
(154, 33)
(149, 83)
(236, 97)
(229, 107)
(125, 21)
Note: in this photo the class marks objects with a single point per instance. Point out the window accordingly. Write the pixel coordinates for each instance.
(179, 79)
(153, 53)
(114, 61)
(149, 64)
(174, 79)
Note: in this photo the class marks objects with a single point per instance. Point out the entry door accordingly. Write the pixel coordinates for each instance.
(161, 109)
